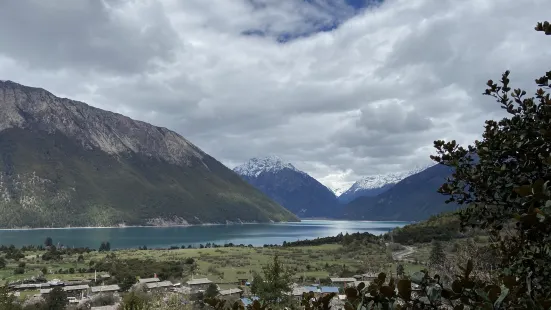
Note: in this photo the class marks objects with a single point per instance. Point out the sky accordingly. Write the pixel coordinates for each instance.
(341, 89)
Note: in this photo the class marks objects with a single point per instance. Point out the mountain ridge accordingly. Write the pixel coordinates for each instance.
(294, 189)
(374, 185)
(65, 163)
(414, 198)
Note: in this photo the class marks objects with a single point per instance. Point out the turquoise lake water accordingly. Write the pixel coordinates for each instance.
(164, 237)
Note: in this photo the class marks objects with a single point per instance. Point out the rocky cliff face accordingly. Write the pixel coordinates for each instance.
(64, 163)
(115, 134)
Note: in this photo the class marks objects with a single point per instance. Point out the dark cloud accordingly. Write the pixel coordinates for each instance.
(368, 97)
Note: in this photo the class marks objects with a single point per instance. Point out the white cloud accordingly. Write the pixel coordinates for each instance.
(369, 97)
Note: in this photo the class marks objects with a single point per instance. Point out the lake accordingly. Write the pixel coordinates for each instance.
(164, 237)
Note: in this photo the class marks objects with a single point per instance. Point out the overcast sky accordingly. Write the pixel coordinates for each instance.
(342, 89)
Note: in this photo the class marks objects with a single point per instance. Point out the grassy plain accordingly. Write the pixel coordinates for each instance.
(224, 265)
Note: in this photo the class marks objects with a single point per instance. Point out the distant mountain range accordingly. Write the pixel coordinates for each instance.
(294, 189)
(411, 199)
(374, 185)
(65, 163)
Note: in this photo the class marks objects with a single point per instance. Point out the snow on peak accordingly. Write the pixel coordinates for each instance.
(255, 166)
(380, 180)
(338, 191)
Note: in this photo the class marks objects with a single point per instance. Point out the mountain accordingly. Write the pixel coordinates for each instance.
(290, 187)
(412, 199)
(374, 185)
(65, 163)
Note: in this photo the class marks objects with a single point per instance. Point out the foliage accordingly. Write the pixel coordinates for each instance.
(437, 255)
(504, 180)
(273, 283)
(211, 291)
(105, 246)
(135, 301)
(345, 239)
(399, 270)
(7, 300)
(442, 227)
(56, 299)
(48, 242)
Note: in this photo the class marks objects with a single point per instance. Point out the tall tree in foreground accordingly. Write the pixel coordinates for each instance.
(504, 179)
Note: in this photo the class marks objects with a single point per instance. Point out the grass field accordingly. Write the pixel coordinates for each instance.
(222, 265)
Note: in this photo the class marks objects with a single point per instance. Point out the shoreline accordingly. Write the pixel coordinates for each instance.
(190, 225)
(139, 226)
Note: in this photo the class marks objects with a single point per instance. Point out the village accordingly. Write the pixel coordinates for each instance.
(82, 292)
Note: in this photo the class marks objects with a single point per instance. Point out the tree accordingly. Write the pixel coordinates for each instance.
(80, 258)
(437, 255)
(135, 301)
(399, 270)
(48, 242)
(2, 263)
(105, 246)
(212, 291)
(274, 283)
(56, 299)
(504, 180)
(7, 300)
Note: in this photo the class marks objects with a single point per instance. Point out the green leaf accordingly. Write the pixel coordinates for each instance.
(381, 277)
(417, 277)
(387, 291)
(457, 287)
(502, 296)
(434, 292)
(404, 289)
(524, 190)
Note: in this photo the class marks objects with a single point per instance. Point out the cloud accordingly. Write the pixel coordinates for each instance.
(339, 89)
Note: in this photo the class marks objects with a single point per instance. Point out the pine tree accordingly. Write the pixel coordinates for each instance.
(437, 255)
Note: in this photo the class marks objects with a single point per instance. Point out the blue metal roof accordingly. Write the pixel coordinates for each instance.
(329, 289)
(310, 288)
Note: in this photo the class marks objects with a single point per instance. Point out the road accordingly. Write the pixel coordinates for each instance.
(401, 255)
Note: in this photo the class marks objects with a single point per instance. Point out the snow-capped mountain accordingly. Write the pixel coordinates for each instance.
(374, 185)
(292, 188)
(255, 166)
(339, 191)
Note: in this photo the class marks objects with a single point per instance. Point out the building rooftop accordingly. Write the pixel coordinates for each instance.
(230, 291)
(105, 288)
(329, 289)
(158, 284)
(148, 280)
(112, 307)
(342, 280)
(199, 281)
(67, 288)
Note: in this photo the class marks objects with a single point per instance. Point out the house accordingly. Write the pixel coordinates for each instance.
(300, 290)
(342, 282)
(148, 280)
(356, 283)
(72, 291)
(329, 289)
(358, 277)
(231, 292)
(164, 285)
(199, 284)
(369, 276)
(105, 289)
(112, 307)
